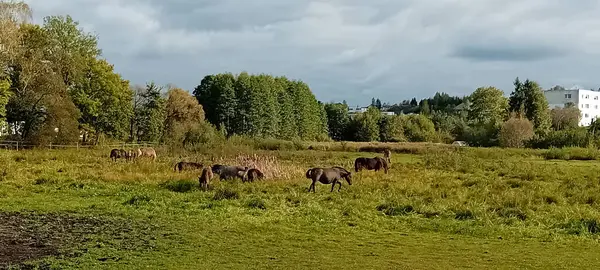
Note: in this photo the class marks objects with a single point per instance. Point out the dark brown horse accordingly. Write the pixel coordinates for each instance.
(182, 165)
(205, 177)
(254, 174)
(375, 163)
(229, 172)
(328, 176)
(118, 153)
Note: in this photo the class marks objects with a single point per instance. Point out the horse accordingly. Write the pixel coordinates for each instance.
(131, 155)
(204, 178)
(182, 165)
(117, 153)
(147, 152)
(228, 172)
(375, 163)
(387, 155)
(331, 176)
(253, 174)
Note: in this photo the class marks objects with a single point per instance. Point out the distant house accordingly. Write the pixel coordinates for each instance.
(352, 111)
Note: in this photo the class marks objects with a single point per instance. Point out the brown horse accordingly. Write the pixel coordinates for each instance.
(182, 165)
(254, 174)
(328, 176)
(375, 163)
(205, 177)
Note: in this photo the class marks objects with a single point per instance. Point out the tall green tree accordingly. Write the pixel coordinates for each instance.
(536, 107)
(488, 106)
(104, 100)
(366, 125)
(150, 116)
(391, 128)
(337, 120)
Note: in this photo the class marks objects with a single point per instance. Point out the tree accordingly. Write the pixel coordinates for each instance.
(12, 15)
(419, 128)
(391, 129)
(413, 102)
(104, 100)
(515, 132)
(373, 102)
(378, 104)
(517, 98)
(366, 125)
(565, 118)
(183, 114)
(424, 107)
(536, 106)
(488, 106)
(528, 99)
(69, 47)
(337, 120)
(149, 118)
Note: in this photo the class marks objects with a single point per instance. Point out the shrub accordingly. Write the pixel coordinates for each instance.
(256, 203)
(563, 138)
(419, 128)
(515, 132)
(394, 209)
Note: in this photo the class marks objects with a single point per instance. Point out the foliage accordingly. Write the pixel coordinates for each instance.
(565, 118)
(528, 99)
(578, 137)
(262, 106)
(104, 100)
(149, 115)
(419, 128)
(391, 129)
(515, 132)
(183, 114)
(366, 125)
(337, 120)
(488, 106)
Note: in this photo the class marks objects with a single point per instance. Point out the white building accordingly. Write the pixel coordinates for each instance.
(588, 101)
(352, 111)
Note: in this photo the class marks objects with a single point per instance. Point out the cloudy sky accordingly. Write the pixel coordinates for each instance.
(348, 49)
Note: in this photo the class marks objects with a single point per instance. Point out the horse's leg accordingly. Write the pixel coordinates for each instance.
(333, 185)
(340, 184)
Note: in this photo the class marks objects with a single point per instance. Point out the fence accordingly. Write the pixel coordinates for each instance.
(20, 145)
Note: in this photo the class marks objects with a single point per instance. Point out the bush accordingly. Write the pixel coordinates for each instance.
(419, 128)
(515, 132)
(563, 138)
(226, 194)
(180, 186)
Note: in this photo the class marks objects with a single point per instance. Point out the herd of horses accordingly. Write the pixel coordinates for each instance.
(332, 175)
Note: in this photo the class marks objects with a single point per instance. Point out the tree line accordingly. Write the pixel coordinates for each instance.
(55, 87)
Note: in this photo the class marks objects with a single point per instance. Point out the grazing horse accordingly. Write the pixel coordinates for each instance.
(205, 177)
(147, 152)
(131, 155)
(254, 174)
(328, 176)
(228, 172)
(182, 165)
(387, 155)
(117, 153)
(375, 163)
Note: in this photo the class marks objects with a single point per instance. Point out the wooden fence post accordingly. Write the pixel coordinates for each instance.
(17, 146)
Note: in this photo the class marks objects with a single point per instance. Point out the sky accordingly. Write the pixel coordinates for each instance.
(348, 49)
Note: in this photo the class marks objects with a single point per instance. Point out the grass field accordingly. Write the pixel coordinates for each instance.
(438, 208)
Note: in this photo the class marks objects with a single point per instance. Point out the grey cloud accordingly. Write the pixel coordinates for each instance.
(347, 49)
(507, 52)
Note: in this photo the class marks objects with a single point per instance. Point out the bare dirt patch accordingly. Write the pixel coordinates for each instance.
(27, 236)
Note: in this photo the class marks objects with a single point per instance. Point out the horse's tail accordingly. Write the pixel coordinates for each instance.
(309, 173)
(356, 165)
(175, 168)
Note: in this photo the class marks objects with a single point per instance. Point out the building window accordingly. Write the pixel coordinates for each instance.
(587, 106)
(595, 106)
(567, 95)
(595, 97)
(587, 115)
(587, 96)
